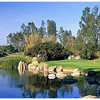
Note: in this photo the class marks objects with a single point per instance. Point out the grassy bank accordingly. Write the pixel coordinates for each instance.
(12, 60)
(81, 64)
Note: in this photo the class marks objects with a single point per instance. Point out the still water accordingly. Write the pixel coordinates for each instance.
(13, 85)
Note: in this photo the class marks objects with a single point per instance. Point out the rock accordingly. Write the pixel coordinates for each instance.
(51, 76)
(31, 67)
(59, 69)
(45, 68)
(35, 63)
(45, 74)
(37, 69)
(34, 59)
(60, 75)
(22, 67)
(52, 69)
(74, 57)
(84, 73)
(77, 57)
(68, 70)
(71, 57)
(89, 96)
(41, 66)
(76, 73)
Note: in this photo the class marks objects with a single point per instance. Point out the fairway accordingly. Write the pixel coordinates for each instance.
(81, 64)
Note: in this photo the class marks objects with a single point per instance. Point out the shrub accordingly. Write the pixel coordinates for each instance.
(97, 54)
(11, 61)
(48, 51)
(5, 50)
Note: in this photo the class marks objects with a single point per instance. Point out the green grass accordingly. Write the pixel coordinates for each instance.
(81, 64)
(12, 60)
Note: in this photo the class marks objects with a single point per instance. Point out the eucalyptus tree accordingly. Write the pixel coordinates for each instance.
(88, 35)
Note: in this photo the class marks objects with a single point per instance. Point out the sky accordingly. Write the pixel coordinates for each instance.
(65, 14)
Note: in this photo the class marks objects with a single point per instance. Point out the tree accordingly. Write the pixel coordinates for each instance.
(28, 29)
(61, 31)
(31, 41)
(51, 28)
(88, 35)
(16, 40)
(42, 30)
(48, 51)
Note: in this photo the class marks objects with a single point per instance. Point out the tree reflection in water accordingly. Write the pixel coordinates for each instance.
(37, 86)
(85, 88)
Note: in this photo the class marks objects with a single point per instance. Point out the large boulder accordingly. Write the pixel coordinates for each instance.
(41, 66)
(52, 69)
(45, 67)
(60, 75)
(51, 76)
(59, 69)
(37, 69)
(68, 70)
(22, 67)
(34, 59)
(77, 57)
(26, 66)
(75, 74)
(35, 63)
(71, 57)
(45, 74)
(31, 67)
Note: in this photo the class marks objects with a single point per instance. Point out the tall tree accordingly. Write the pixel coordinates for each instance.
(28, 29)
(51, 28)
(16, 40)
(42, 29)
(68, 41)
(61, 31)
(88, 36)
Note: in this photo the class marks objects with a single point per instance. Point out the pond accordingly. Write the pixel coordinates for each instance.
(13, 85)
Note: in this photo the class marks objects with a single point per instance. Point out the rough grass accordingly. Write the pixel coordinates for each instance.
(81, 64)
(12, 60)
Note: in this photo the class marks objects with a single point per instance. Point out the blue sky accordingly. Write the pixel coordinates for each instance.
(66, 14)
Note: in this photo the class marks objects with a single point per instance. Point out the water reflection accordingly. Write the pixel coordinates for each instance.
(36, 86)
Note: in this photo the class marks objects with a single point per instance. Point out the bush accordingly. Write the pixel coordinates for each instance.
(11, 61)
(5, 50)
(48, 51)
(97, 54)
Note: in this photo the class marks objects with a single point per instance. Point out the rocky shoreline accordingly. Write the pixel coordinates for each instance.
(51, 72)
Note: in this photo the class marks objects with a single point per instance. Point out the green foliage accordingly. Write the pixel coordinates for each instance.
(48, 51)
(97, 54)
(12, 60)
(5, 50)
(16, 40)
(51, 28)
(87, 38)
(42, 29)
